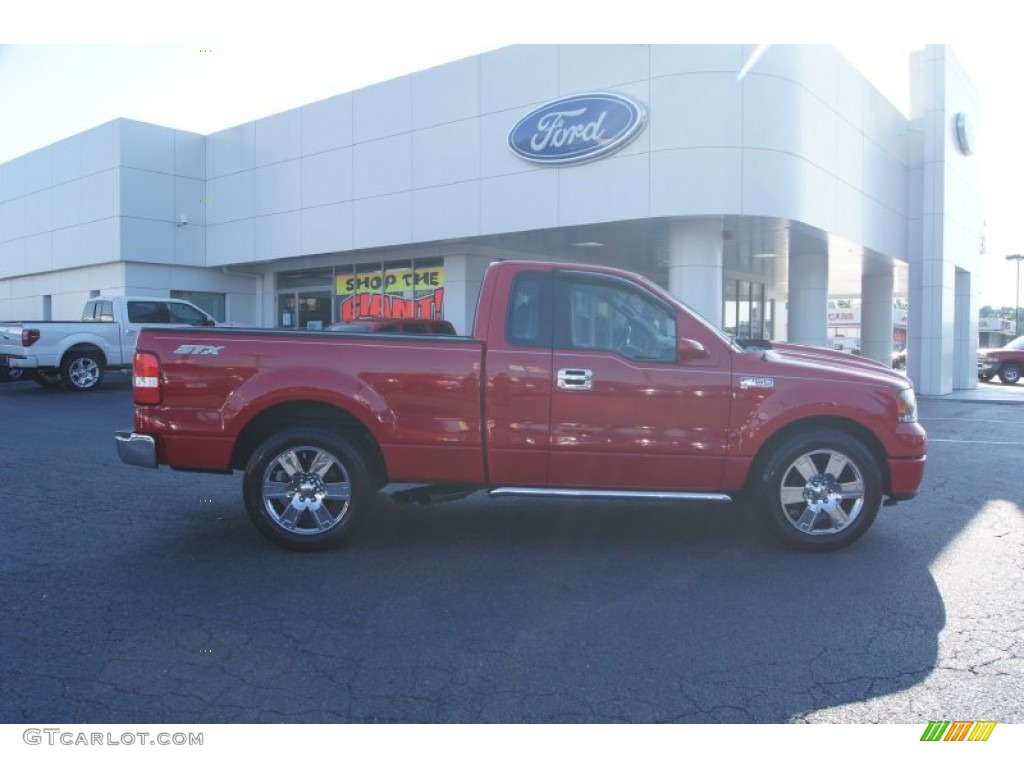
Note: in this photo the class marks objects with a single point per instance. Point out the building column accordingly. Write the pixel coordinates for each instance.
(931, 323)
(808, 297)
(695, 266)
(876, 300)
(462, 278)
(965, 334)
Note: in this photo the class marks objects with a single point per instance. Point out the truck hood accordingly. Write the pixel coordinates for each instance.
(820, 361)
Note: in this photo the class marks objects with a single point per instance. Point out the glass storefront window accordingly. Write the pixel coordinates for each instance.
(214, 304)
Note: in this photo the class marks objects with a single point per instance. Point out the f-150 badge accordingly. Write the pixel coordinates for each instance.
(197, 349)
(757, 382)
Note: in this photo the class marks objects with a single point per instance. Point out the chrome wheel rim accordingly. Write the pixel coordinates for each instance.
(83, 372)
(306, 490)
(822, 492)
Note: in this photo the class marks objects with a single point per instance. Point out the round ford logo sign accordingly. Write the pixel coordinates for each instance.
(578, 128)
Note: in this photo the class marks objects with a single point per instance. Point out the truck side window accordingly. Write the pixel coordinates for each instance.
(616, 318)
(528, 322)
(146, 312)
(184, 313)
(105, 311)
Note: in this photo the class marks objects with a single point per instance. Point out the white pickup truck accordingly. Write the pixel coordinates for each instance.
(76, 353)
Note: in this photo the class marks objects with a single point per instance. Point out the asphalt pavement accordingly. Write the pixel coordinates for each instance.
(139, 596)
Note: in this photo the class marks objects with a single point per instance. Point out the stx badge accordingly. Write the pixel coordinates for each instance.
(197, 349)
(757, 382)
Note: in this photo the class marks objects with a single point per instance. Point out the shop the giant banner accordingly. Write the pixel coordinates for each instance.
(402, 292)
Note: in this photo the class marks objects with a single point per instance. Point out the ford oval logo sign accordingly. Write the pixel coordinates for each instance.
(578, 128)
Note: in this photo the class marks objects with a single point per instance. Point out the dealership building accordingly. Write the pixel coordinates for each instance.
(752, 183)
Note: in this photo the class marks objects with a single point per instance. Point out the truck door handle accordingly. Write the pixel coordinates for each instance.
(575, 378)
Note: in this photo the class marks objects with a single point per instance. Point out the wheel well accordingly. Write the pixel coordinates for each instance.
(314, 414)
(866, 436)
(92, 349)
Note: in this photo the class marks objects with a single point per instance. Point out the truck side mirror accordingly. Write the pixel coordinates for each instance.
(690, 351)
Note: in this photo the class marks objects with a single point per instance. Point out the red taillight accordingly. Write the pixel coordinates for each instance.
(29, 336)
(146, 378)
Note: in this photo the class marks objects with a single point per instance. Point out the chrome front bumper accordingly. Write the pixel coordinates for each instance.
(137, 450)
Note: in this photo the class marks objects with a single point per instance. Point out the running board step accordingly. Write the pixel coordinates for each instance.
(586, 494)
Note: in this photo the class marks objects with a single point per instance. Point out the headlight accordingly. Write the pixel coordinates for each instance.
(906, 406)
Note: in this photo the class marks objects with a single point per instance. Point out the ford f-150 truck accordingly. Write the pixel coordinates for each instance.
(76, 353)
(1006, 362)
(578, 381)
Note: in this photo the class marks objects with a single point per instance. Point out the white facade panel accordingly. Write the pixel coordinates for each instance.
(446, 211)
(39, 253)
(12, 260)
(519, 202)
(39, 212)
(231, 151)
(67, 204)
(685, 59)
(67, 247)
(190, 245)
(278, 188)
(232, 197)
(517, 77)
(97, 199)
(13, 222)
(382, 167)
(696, 110)
(190, 202)
(147, 147)
(704, 181)
(278, 235)
(67, 160)
(99, 148)
(327, 124)
(231, 243)
(279, 137)
(615, 189)
(38, 169)
(327, 178)
(446, 154)
(327, 228)
(495, 157)
(382, 110)
(190, 155)
(147, 240)
(583, 68)
(446, 94)
(384, 220)
(147, 194)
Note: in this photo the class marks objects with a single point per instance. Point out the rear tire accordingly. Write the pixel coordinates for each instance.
(820, 490)
(82, 371)
(305, 488)
(47, 377)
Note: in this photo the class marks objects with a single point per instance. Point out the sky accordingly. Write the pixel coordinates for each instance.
(205, 66)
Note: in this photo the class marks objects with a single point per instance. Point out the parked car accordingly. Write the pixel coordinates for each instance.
(899, 358)
(1006, 362)
(395, 325)
(77, 352)
(578, 381)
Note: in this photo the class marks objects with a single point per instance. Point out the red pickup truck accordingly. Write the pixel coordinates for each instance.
(578, 381)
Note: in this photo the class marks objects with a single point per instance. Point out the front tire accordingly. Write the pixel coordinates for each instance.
(306, 488)
(820, 490)
(1009, 373)
(82, 371)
